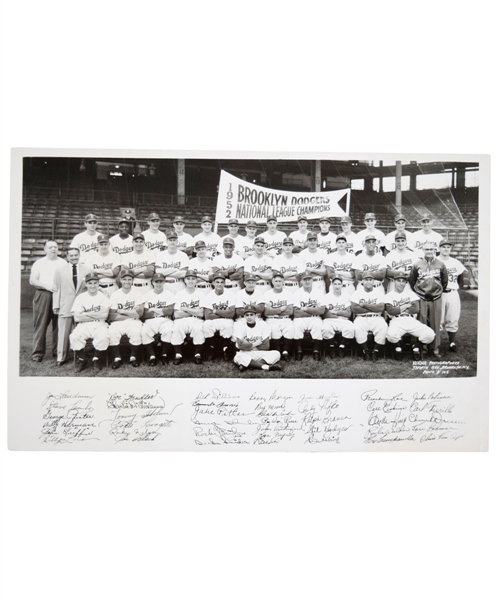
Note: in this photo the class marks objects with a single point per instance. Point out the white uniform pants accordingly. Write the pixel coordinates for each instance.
(281, 328)
(319, 284)
(160, 325)
(204, 287)
(450, 311)
(188, 325)
(223, 326)
(107, 289)
(348, 288)
(399, 326)
(271, 357)
(97, 331)
(311, 324)
(130, 327)
(363, 325)
(174, 285)
(344, 326)
(143, 285)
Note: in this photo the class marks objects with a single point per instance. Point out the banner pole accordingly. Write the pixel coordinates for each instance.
(348, 207)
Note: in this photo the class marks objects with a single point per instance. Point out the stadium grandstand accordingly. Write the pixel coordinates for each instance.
(59, 192)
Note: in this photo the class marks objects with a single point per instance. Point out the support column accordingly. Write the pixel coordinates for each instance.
(380, 178)
(317, 176)
(461, 177)
(181, 181)
(399, 173)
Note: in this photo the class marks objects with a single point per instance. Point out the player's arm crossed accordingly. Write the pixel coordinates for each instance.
(410, 308)
(145, 272)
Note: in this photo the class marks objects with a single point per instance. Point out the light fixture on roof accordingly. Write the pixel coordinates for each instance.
(82, 166)
(117, 166)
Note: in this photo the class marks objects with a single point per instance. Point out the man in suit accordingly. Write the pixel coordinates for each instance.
(70, 282)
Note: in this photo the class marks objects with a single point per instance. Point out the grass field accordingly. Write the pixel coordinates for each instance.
(346, 368)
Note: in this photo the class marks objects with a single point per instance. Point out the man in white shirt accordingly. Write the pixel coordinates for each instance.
(314, 262)
(233, 227)
(122, 242)
(426, 234)
(308, 309)
(370, 222)
(141, 263)
(341, 264)
(249, 295)
(86, 241)
(290, 265)
(326, 239)
(278, 312)
(272, 237)
(202, 266)
(370, 260)
(402, 305)
(450, 312)
(350, 236)
(368, 305)
(399, 261)
(173, 263)
(42, 278)
(185, 241)
(230, 265)
(248, 240)
(106, 264)
(260, 264)
(154, 239)
(211, 239)
(157, 317)
(219, 306)
(336, 319)
(90, 311)
(126, 310)
(299, 236)
(390, 238)
(252, 342)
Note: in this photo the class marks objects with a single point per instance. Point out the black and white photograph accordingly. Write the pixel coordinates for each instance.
(235, 267)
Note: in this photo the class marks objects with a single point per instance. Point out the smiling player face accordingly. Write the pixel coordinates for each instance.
(127, 282)
(91, 226)
(92, 286)
(206, 226)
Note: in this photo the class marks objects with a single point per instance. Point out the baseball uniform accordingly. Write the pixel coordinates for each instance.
(238, 244)
(390, 240)
(313, 324)
(351, 242)
(214, 301)
(360, 239)
(367, 322)
(343, 265)
(131, 327)
(135, 261)
(332, 325)
(280, 325)
(289, 268)
(212, 241)
(244, 299)
(158, 324)
(255, 265)
(99, 263)
(121, 245)
(326, 241)
(363, 262)
(420, 237)
(85, 242)
(401, 324)
(232, 264)
(203, 267)
(399, 261)
(188, 325)
(184, 241)
(450, 311)
(299, 237)
(168, 262)
(274, 243)
(315, 260)
(260, 332)
(247, 244)
(97, 330)
(154, 242)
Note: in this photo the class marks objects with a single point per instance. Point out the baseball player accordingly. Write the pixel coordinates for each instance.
(248, 240)
(370, 260)
(86, 241)
(308, 308)
(426, 234)
(428, 278)
(260, 264)
(173, 263)
(350, 236)
(272, 237)
(252, 342)
(314, 262)
(219, 309)
(126, 310)
(390, 238)
(90, 311)
(141, 263)
(326, 239)
(211, 239)
(122, 242)
(402, 305)
(299, 237)
(368, 305)
(336, 318)
(370, 222)
(341, 264)
(233, 227)
(154, 239)
(450, 313)
(278, 312)
(290, 265)
(229, 265)
(249, 295)
(185, 241)
(202, 266)
(188, 319)
(399, 261)
(106, 264)
(157, 317)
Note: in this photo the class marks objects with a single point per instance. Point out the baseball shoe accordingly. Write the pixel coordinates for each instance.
(197, 359)
(453, 347)
(416, 352)
(164, 359)
(241, 368)
(316, 356)
(152, 361)
(210, 353)
(367, 355)
(436, 354)
(117, 363)
(37, 359)
(177, 360)
(341, 352)
(133, 362)
(299, 356)
(398, 353)
(97, 365)
(60, 363)
(275, 368)
(375, 355)
(285, 356)
(226, 355)
(80, 365)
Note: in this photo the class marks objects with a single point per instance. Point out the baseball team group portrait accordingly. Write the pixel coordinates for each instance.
(249, 268)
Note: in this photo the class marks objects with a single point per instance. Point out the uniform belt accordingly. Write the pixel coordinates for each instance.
(106, 284)
(231, 285)
(447, 291)
(141, 284)
(370, 315)
(278, 317)
(318, 279)
(171, 280)
(347, 284)
(203, 285)
(404, 315)
(261, 282)
(291, 283)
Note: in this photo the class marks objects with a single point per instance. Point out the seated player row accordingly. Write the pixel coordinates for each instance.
(263, 321)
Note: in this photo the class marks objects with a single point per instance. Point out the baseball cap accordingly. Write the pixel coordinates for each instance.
(91, 276)
(341, 237)
(190, 273)
(399, 217)
(158, 277)
(337, 278)
(326, 220)
(302, 218)
(251, 223)
(170, 235)
(288, 240)
(445, 242)
(400, 276)
(370, 216)
(370, 236)
(400, 236)
(426, 217)
(217, 275)
(345, 219)
(126, 273)
(138, 236)
(200, 244)
(307, 276)
(233, 222)
(250, 277)
(312, 236)
(124, 220)
(250, 308)
(178, 219)
(271, 218)
(259, 240)
(367, 275)
(228, 240)
(91, 217)
(278, 274)
(152, 216)
(206, 219)
(102, 238)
